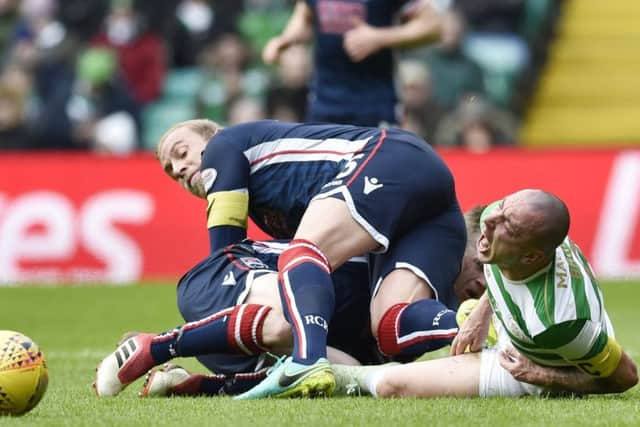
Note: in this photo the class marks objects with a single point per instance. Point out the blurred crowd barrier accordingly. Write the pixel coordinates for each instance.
(84, 218)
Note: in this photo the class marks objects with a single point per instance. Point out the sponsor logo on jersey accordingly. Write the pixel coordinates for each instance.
(371, 185)
(561, 275)
(208, 178)
(229, 279)
(253, 263)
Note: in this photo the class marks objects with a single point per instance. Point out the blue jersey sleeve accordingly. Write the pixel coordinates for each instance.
(225, 176)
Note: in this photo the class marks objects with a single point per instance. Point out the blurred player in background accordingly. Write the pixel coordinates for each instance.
(340, 191)
(554, 334)
(353, 81)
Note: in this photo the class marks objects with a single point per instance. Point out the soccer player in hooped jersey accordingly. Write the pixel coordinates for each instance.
(554, 334)
(340, 191)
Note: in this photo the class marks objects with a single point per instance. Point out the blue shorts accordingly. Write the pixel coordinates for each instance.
(403, 194)
(432, 251)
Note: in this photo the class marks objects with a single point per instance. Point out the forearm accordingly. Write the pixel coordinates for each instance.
(573, 380)
(569, 380)
(299, 26)
(484, 306)
(423, 27)
(222, 236)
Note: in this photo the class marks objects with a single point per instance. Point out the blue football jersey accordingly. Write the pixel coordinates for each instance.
(341, 86)
(278, 166)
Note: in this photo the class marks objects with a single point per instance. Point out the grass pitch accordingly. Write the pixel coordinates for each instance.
(76, 327)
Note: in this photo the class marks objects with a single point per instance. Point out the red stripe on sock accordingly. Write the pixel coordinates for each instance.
(388, 330)
(244, 329)
(300, 251)
(427, 338)
(258, 324)
(297, 327)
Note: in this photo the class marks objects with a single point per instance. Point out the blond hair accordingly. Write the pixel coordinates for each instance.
(203, 127)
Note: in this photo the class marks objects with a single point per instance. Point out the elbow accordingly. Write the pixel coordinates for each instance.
(630, 377)
(626, 378)
(633, 375)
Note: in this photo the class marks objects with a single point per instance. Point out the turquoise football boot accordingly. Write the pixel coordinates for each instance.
(291, 379)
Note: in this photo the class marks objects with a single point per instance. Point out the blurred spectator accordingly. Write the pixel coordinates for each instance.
(141, 54)
(70, 115)
(263, 19)
(14, 133)
(453, 74)
(494, 43)
(83, 17)
(420, 114)
(99, 96)
(8, 20)
(197, 23)
(497, 16)
(246, 110)
(212, 68)
(353, 63)
(115, 133)
(477, 126)
(16, 77)
(37, 31)
(287, 95)
(226, 64)
(42, 56)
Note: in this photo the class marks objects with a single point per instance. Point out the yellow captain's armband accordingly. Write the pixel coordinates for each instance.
(604, 363)
(227, 208)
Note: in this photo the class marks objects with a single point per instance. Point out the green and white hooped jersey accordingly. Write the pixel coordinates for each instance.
(556, 317)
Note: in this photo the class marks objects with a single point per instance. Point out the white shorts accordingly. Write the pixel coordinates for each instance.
(497, 381)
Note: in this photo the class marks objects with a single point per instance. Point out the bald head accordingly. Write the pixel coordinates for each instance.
(552, 224)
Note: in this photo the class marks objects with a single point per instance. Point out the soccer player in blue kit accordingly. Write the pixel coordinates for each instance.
(230, 301)
(340, 191)
(353, 61)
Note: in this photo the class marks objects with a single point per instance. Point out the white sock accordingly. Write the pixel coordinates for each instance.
(372, 380)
